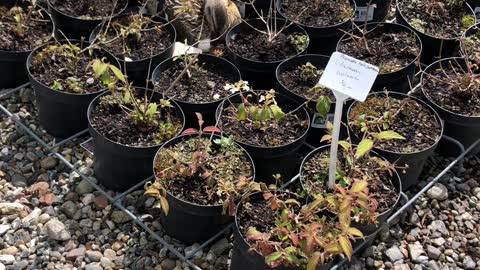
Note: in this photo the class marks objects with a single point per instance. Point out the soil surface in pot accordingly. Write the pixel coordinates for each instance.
(32, 31)
(89, 9)
(220, 169)
(63, 67)
(389, 50)
(412, 120)
(256, 46)
(471, 47)
(147, 38)
(317, 13)
(204, 83)
(302, 82)
(112, 122)
(453, 89)
(315, 177)
(435, 18)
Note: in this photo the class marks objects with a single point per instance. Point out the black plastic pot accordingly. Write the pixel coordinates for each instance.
(206, 220)
(401, 79)
(433, 47)
(75, 28)
(378, 14)
(60, 113)
(259, 74)
(243, 258)
(117, 166)
(323, 40)
(137, 70)
(207, 110)
(465, 129)
(12, 64)
(272, 160)
(415, 161)
(366, 229)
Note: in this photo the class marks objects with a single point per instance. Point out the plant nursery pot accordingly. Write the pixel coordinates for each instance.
(73, 27)
(323, 40)
(243, 258)
(268, 161)
(369, 240)
(138, 70)
(401, 79)
(117, 166)
(206, 109)
(317, 127)
(261, 75)
(13, 64)
(465, 129)
(377, 12)
(191, 222)
(60, 113)
(434, 48)
(366, 229)
(416, 160)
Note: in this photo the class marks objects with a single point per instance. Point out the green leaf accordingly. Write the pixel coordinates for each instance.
(389, 134)
(99, 68)
(165, 206)
(354, 232)
(152, 109)
(313, 261)
(323, 106)
(346, 246)
(265, 114)
(277, 112)
(346, 145)
(364, 147)
(127, 97)
(118, 73)
(242, 112)
(273, 257)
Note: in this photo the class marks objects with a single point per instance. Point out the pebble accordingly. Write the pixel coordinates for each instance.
(7, 259)
(219, 247)
(94, 255)
(48, 163)
(56, 230)
(394, 254)
(84, 187)
(119, 217)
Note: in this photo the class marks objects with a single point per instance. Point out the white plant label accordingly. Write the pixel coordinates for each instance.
(363, 14)
(349, 76)
(180, 49)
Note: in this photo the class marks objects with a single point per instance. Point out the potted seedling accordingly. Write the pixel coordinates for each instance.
(393, 48)
(77, 18)
(128, 125)
(24, 25)
(201, 88)
(65, 84)
(270, 126)
(371, 10)
(257, 46)
(439, 23)
(452, 87)
(419, 128)
(139, 41)
(323, 20)
(199, 180)
(470, 45)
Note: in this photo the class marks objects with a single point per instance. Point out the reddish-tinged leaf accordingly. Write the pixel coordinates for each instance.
(274, 259)
(359, 186)
(212, 129)
(354, 232)
(313, 261)
(190, 131)
(346, 246)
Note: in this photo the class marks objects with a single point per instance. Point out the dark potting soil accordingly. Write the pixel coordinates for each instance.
(57, 70)
(381, 188)
(256, 46)
(224, 165)
(412, 120)
(152, 40)
(435, 18)
(258, 215)
(89, 9)
(325, 13)
(205, 83)
(33, 31)
(301, 84)
(389, 50)
(112, 122)
(447, 87)
(286, 131)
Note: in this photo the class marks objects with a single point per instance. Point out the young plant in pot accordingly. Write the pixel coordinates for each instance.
(128, 125)
(298, 78)
(323, 20)
(439, 23)
(394, 48)
(452, 88)
(418, 130)
(270, 126)
(258, 46)
(65, 83)
(139, 41)
(24, 25)
(77, 18)
(199, 180)
(470, 45)
(204, 83)
(278, 230)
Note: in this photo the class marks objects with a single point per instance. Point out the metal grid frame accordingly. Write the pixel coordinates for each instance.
(117, 200)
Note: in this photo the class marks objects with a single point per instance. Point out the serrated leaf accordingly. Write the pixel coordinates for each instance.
(273, 257)
(345, 145)
(346, 246)
(277, 112)
(165, 206)
(354, 232)
(364, 147)
(326, 137)
(152, 109)
(323, 106)
(99, 68)
(242, 112)
(313, 261)
(118, 73)
(359, 186)
(389, 134)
